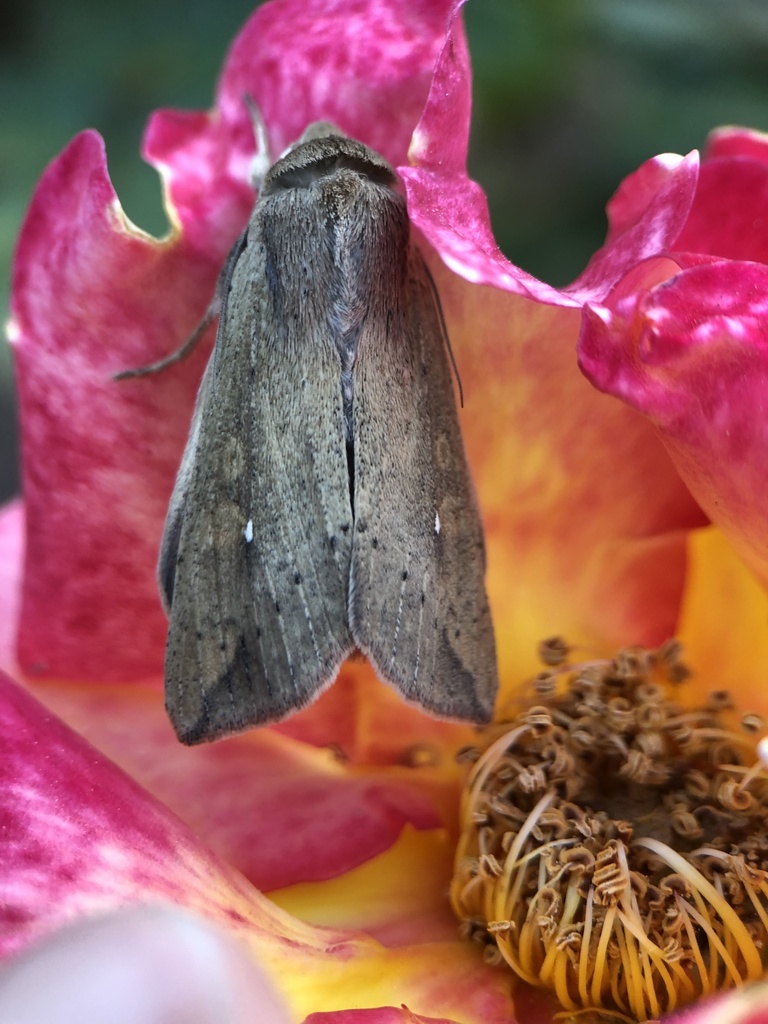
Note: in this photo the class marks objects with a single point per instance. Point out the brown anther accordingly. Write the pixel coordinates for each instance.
(503, 810)
(681, 733)
(492, 955)
(649, 693)
(608, 879)
(500, 927)
(577, 859)
(678, 672)
(675, 885)
(721, 752)
(555, 821)
(753, 723)
(673, 922)
(632, 663)
(467, 755)
(651, 716)
(669, 657)
(654, 897)
(620, 812)
(672, 950)
(582, 740)
(697, 784)
(507, 840)
(473, 930)
(621, 830)
(685, 824)
(539, 718)
(545, 684)
(586, 681)
(733, 796)
(640, 768)
(570, 937)
(652, 743)
(532, 779)
(719, 700)
(621, 712)
(553, 651)
(489, 866)
(561, 762)
(548, 903)
(669, 652)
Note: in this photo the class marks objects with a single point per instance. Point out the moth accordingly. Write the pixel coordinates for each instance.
(323, 504)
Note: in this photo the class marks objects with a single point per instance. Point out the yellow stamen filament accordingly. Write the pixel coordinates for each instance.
(706, 889)
(615, 849)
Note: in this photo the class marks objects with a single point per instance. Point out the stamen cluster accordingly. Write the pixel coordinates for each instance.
(614, 844)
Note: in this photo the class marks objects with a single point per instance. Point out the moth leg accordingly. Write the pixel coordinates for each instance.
(211, 314)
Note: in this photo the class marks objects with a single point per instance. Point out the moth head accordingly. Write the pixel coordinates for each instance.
(323, 150)
(318, 130)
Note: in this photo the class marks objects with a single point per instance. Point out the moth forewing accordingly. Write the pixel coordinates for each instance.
(418, 604)
(323, 501)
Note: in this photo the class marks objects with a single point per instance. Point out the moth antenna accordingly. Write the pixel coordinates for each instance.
(262, 159)
(444, 332)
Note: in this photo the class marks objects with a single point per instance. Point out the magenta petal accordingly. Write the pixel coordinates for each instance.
(204, 163)
(364, 66)
(93, 295)
(692, 355)
(351, 814)
(443, 202)
(733, 141)
(646, 216)
(11, 555)
(748, 1005)
(379, 1015)
(729, 217)
(80, 836)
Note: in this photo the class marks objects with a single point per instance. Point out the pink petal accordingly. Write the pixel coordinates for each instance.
(81, 837)
(364, 66)
(452, 212)
(11, 555)
(326, 816)
(646, 215)
(449, 208)
(746, 1006)
(92, 295)
(381, 1015)
(398, 898)
(729, 216)
(734, 142)
(692, 355)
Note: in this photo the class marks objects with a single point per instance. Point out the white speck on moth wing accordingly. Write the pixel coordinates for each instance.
(248, 531)
(437, 523)
(762, 750)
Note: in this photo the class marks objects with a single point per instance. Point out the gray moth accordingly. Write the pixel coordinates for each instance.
(324, 505)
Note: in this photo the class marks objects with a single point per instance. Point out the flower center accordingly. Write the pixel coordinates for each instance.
(614, 846)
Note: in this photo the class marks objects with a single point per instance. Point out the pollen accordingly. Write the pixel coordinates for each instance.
(614, 844)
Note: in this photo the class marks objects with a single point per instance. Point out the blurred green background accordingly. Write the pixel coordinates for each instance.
(570, 96)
